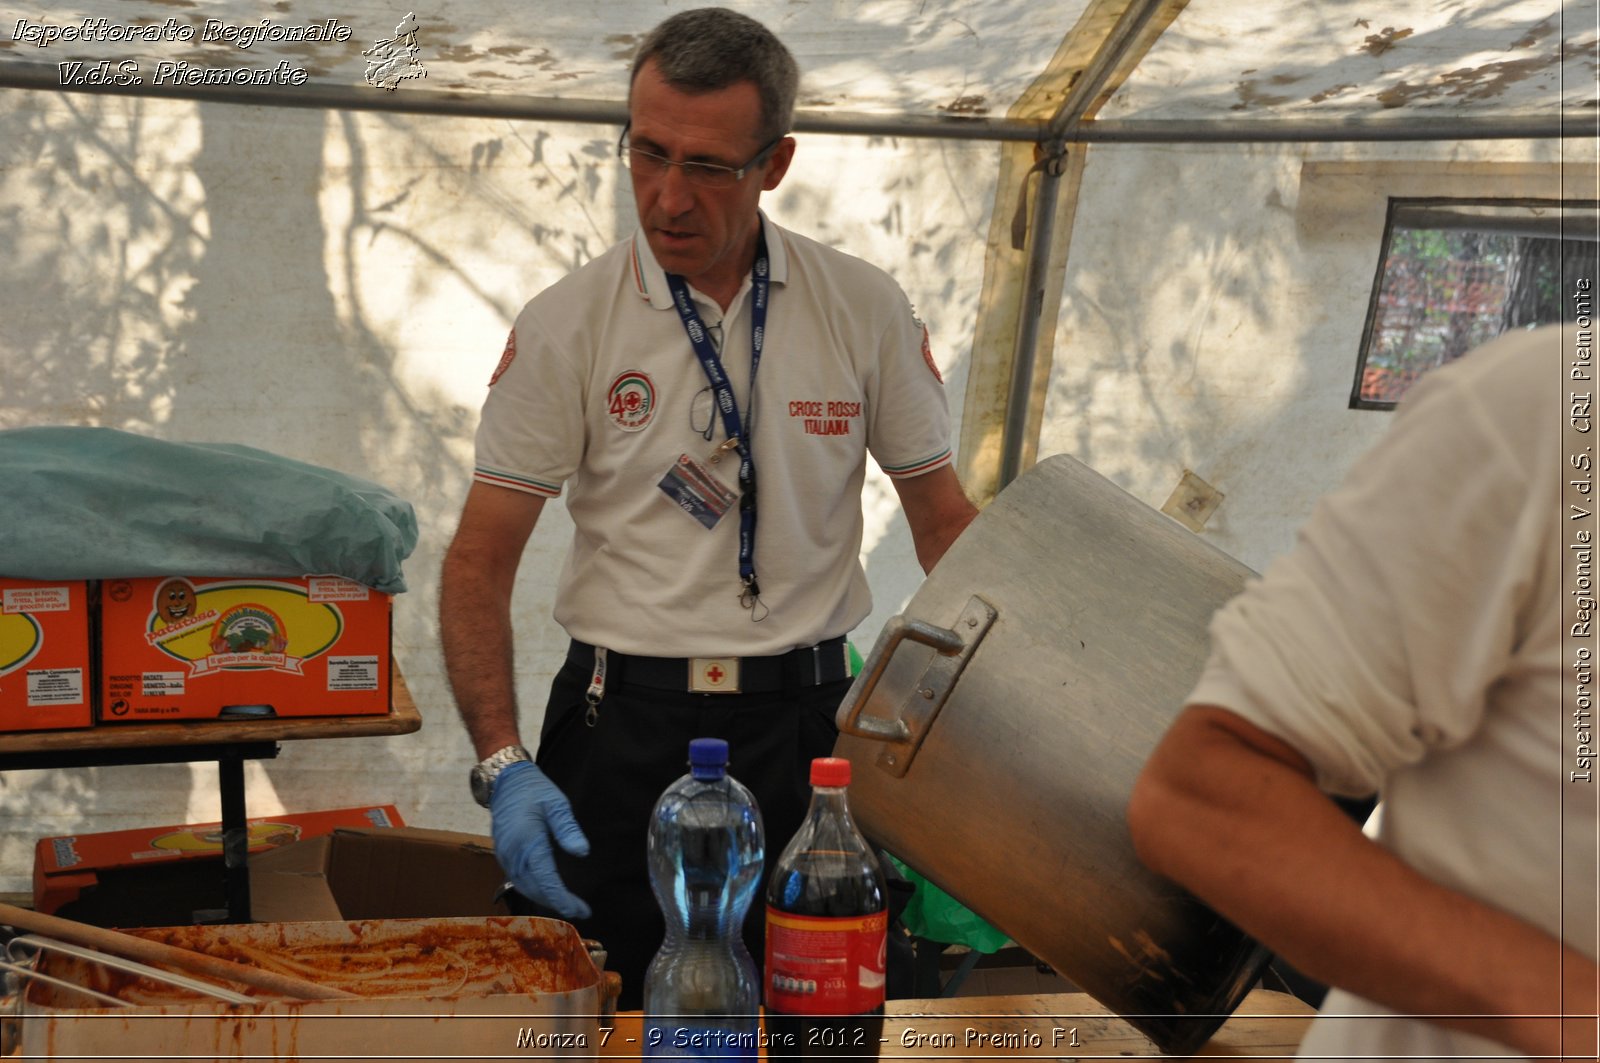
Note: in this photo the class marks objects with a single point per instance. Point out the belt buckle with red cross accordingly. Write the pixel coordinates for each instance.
(714, 675)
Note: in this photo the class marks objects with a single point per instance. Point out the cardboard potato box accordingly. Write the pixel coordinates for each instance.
(154, 876)
(358, 873)
(175, 648)
(45, 680)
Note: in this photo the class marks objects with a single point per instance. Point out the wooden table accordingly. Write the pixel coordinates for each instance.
(97, 745)
(1052, 1026)
(228, 742)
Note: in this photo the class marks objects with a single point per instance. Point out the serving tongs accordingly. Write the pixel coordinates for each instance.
(26, 968)
(144, 950)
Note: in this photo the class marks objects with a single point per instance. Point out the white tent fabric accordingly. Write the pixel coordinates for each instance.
(328, 269)
(899, 57)
(1348, 59)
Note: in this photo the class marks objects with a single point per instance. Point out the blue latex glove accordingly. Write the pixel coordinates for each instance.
(525, 810)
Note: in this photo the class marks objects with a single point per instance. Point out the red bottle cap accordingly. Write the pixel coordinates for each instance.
(830, 771)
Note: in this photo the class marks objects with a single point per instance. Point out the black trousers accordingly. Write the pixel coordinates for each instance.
(614, 770)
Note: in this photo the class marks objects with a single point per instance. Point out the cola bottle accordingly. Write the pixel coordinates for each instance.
(827, 932)
(706, 846)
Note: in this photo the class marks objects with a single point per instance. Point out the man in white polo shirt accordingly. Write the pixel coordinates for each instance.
(707, 393)
(1412, 644)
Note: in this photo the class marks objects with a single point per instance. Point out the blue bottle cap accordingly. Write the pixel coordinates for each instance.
(708, 758)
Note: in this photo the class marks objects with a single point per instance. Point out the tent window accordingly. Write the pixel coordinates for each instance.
(1457, 273)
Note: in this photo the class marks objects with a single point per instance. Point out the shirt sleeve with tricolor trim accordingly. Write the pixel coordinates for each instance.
(908, 431)
(530, 434)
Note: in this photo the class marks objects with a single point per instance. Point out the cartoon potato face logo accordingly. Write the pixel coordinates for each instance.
(175, 601)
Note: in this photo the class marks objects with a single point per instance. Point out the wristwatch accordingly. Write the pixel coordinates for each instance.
(489, 769)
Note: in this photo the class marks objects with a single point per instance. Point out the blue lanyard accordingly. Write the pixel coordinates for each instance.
(761, 281)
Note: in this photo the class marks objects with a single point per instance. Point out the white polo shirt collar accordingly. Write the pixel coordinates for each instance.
(650, 280)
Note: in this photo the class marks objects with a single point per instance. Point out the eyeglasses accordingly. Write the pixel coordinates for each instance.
(706, 174)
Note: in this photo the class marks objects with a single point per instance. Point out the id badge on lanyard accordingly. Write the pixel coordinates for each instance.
(695, 486)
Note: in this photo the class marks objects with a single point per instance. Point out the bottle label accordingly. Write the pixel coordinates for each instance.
(826, 965)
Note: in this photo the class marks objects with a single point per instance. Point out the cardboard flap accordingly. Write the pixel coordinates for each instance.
(393, 873)
(183, 860)
(289, 884)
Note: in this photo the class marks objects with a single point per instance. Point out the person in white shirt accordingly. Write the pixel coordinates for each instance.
(1411, 645)
(659, 385)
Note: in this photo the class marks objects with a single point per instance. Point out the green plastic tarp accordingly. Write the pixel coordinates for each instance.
(98, 503)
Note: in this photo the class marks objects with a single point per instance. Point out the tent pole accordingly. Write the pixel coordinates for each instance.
(1417, 127)
(1024, 352)
(514, 108)
(1123, 38)
(1420, 127)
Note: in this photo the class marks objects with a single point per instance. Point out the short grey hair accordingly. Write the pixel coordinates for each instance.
(710, 48)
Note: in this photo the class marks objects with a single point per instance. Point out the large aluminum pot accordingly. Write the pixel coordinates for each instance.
(998, 726)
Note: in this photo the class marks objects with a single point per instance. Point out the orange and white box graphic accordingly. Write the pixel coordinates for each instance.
(209, 648)
(45, 680)
(65, 865)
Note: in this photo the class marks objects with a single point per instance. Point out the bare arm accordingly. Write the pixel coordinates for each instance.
(937, 509)
(480, 571)
(1232, 813)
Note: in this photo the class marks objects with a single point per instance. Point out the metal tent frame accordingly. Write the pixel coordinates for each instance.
(1071, 124)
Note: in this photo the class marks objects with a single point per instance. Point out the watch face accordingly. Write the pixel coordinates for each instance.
(478, 780)
(488, 770)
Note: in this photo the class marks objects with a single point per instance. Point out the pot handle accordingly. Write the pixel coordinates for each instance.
(952, 649)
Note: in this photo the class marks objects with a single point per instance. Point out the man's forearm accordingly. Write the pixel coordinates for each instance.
(1235, 818)
(937, 511)
(476, 634)
(932, 547)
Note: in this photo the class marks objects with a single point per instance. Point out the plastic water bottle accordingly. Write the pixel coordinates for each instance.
(701, 992)
(827, 932)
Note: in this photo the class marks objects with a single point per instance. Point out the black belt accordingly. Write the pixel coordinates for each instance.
(826, 662)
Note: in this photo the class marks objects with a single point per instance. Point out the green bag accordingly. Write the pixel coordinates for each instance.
(935, 915)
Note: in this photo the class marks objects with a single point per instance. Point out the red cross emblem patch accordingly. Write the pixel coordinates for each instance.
(714, 675)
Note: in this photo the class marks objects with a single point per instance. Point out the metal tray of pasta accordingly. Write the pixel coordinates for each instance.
(422, 989)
